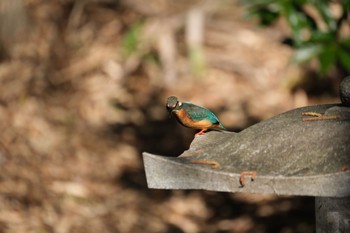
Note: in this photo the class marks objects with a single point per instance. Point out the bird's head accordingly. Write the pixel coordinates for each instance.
(173, 104)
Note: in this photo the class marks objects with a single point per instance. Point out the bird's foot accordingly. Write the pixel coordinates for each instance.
(315, 116)
(200, 133)
(214, 164)
(246, 173)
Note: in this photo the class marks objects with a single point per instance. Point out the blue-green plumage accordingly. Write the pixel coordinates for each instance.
(193, 116)
(199, 113)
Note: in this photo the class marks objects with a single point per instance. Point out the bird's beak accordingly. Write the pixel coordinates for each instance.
(170, 113)
(171, 109)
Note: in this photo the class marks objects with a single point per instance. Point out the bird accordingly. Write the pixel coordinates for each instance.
(344, 92)
(193, 116)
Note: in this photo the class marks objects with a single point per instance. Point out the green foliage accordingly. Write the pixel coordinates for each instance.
(312, 37)
(131, 39)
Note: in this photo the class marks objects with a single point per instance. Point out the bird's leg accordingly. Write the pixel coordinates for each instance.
(200, 132)
(246, 173)
(315, 116)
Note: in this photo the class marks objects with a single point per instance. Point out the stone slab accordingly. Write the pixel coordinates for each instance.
(290, 156)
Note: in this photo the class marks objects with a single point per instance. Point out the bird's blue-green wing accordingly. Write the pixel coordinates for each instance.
(199, 113)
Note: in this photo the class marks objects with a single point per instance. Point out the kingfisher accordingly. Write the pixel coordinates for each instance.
(193, 116)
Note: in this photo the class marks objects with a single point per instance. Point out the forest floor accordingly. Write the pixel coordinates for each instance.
(83, 90)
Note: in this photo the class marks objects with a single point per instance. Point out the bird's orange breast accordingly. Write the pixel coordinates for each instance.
(185, 119)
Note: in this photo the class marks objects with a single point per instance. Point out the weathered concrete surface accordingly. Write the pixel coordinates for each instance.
(290, 157)
(332, 215)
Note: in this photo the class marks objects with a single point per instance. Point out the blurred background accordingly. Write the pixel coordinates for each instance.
(83, 90)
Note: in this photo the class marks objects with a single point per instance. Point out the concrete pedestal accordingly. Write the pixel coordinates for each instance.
(289, 155)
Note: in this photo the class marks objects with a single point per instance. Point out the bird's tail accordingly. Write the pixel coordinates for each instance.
(220, 127)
